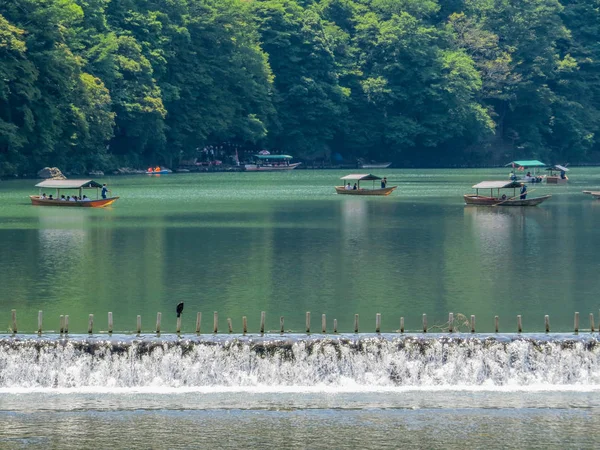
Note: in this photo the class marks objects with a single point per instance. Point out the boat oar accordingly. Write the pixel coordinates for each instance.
(512, 198)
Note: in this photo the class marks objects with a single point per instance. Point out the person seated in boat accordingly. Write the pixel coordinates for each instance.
(50, 197)
(85, 198)
(62, 198)
(511, 175)
(43, 196)
(528, 174)
(523, 192)
(355, 187)
(149, 169)
(348, 187)
(383, 183)
(157, 169)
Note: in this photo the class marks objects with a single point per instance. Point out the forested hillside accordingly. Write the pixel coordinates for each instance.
(93, 84)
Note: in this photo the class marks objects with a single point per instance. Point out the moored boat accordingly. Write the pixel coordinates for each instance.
(349, 190)
(375, 165)
(523, 165)
(80, 185)
(595, 194)
(557, 174)
(517, 199)
(265, 162)
(157, 171)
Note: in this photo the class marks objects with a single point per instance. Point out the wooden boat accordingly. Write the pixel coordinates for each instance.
(79, 185)
(504, 199)
(361, 191)
(265, 162)
(595, 194)
(557, 175)
(375, 165)
(522, 166)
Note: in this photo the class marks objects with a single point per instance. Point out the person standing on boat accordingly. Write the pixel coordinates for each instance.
(524, 192)
(383, 183)
(104, 190)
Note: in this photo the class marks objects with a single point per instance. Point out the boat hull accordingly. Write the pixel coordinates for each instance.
(376, 166)
(556, 180)
(385, 191)
(37, 201)
(161, 172)
(595, 194)
(480, 200)
(257, 168)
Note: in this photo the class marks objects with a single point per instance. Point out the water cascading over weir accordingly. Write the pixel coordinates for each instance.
(385, 361)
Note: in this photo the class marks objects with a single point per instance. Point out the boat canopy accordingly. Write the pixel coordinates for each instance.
(361, 177)
(558, 167)
(68, 184)
(527, 163)
(497, 185)
(273, 157)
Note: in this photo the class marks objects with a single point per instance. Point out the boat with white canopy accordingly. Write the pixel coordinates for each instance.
(358, 177)
(497, 199)
(79, 185)
(557, 174)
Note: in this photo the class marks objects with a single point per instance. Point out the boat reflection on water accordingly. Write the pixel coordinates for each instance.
(62, 236)
(495, 229)
(355, 218)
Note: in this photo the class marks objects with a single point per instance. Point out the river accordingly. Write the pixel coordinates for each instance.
(285, 243)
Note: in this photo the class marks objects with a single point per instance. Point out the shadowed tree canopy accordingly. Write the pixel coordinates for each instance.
(94, 84)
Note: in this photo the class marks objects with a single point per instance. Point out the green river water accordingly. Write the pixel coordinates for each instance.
(285, 243)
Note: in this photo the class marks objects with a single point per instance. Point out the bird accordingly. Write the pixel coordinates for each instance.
(179, 309)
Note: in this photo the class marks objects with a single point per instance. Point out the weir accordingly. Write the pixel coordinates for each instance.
(370, 360)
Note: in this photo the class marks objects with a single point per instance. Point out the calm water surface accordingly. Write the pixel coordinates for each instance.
(285, 243)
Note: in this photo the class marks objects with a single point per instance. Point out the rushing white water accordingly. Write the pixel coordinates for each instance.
(344, 363)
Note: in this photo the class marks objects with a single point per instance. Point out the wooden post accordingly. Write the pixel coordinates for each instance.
(138, 327)
(39, 322)
(158, 321)
(519, 324)
(67, 324)
(308, 321)
(229, 325)
(356, 323)
(323, 324)
(472, 323)
(547, 323)
(178, 325)
(401, 324)
(496, 323)
(244, 324)
(91, 324)
(61, 324)
(110, 323)
(262, 322)
(378, 323)
(14, 320)
(592, 322)
(198, 322)
(281, 325)
(424, 323)
(335, 326)
(215, 322)
(451, 322)
(576, 324)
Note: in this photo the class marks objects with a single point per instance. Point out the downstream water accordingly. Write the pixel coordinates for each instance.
(240, 244)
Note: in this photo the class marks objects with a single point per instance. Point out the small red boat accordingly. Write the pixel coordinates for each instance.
(80, 185)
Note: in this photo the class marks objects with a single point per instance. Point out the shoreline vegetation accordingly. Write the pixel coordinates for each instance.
(92, 86)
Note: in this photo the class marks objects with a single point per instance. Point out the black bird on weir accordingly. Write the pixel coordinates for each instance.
(179, 309)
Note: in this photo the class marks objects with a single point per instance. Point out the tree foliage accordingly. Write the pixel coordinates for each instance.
(90, 84)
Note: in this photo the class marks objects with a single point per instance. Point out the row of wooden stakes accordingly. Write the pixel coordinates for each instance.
(450, 326)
